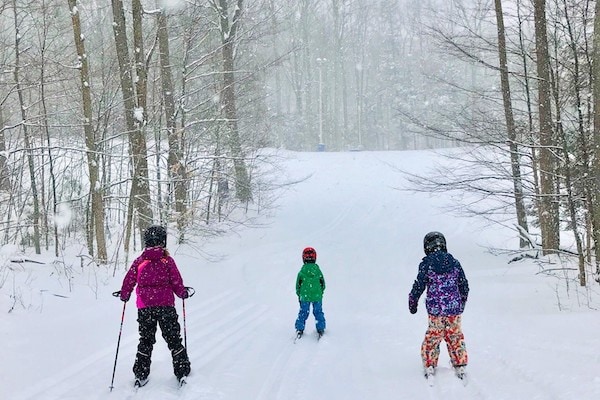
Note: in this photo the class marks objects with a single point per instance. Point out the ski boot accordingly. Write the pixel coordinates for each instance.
(139, 382)
(460, 372)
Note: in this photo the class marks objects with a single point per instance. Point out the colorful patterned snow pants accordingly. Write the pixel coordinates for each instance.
(447, 329)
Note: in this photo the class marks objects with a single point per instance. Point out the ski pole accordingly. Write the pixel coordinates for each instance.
(184, 327)
(191, 292)
(118, 343)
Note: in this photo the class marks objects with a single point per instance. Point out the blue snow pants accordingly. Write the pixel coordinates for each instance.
(305, 311)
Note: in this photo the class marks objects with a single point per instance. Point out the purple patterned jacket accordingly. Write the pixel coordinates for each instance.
(157, 278)
(447, 286)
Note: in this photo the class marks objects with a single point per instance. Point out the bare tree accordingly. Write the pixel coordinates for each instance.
(228, 29)
(515, 161)
(548, 210)
(177, 170)
(26, 133)
(4, 172)
(140, 190)
(596, 165)
(96, 192)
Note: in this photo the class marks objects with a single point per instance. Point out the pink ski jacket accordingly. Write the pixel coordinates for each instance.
(156, 277)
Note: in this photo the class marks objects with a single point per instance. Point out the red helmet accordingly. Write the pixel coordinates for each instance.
(309, 255)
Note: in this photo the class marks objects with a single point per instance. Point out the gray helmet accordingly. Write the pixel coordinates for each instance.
(155, 235)
(434, 241)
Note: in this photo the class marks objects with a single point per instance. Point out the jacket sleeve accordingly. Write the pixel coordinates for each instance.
(419, 285)
(129, 281)
(322, 282)
(298, 283)
(175, 278)
(463, 284)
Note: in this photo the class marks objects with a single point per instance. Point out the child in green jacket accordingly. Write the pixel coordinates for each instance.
(310, 285)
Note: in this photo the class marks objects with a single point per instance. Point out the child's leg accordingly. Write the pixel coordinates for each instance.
(430, 349)
(171, 332)
(302, 315)
(147, 330)
(319, 315)
(455, 341)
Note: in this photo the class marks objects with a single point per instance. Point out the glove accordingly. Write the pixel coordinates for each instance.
(188, 292)
(412, 305)
(120, 296)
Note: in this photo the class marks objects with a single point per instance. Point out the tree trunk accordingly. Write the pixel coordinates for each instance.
(548, 210)
(228, 34)
(141, 78)
(97, 208)
(35, 217)
(177, 171)
(4, 172)
(140, 190)
(596, 165)
(583, 147)
(46, 123)
(515, 161)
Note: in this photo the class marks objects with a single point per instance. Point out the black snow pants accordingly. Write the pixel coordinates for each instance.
(166, 317)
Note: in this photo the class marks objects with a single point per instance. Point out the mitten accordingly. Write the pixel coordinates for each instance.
(189, 292)
(412, 305)
(121, 296)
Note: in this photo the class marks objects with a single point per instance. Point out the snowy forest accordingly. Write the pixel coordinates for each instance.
(118, 114)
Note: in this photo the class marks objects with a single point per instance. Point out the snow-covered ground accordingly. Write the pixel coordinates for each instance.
(528, 335)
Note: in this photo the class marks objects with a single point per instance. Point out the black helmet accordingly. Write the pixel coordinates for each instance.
(434, 241)
(155, 235)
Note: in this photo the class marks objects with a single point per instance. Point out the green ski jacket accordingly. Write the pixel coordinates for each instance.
(310, 283)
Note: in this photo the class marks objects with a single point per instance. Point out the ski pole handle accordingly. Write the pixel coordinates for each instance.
(190, 290)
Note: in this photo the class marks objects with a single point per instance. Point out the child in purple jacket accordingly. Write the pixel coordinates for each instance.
(157, 279)
(447, 291)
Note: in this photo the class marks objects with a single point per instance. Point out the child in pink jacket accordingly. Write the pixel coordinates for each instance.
(157, 279)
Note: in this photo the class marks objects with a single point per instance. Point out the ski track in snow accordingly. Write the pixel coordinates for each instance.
(240, 324)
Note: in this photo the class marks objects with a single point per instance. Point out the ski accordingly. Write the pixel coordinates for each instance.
(461, 374)
(430, 380)
(430, 376)
(298, 336)
(139, 383)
